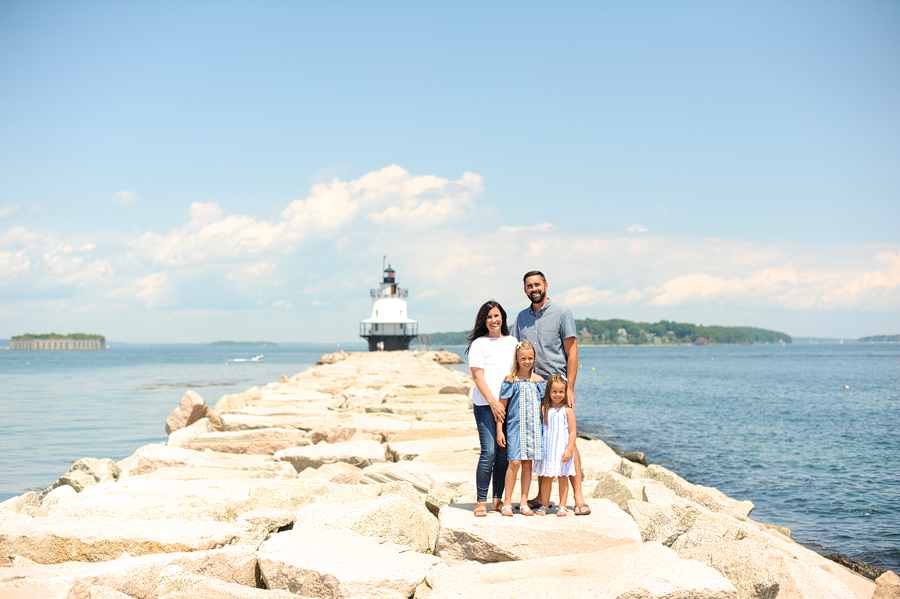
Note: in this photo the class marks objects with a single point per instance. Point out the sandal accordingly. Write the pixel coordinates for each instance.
(481, 509)
(498, 505)
(525, 510)
(541, 511)
(582, 510)
(562, 511)
(506, 510)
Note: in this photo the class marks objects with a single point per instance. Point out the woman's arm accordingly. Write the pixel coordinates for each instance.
(496, 407)
(573, 432)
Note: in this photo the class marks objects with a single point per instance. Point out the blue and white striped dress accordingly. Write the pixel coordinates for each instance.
(523, 419)
(555, 441)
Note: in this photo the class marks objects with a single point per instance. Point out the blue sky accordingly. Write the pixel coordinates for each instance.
(202, 171)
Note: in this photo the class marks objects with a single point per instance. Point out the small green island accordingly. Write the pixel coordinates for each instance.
(618, 331)
(880, 339)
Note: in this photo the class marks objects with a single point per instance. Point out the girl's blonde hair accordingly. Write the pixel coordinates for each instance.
(545, 402)
(532, 378)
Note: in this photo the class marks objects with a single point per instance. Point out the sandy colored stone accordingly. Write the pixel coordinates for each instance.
(360, 397)
(410, 450)
(340, 563)
(56, 539)
(175, 581)
(191, 408)
(395, 518)
(182, 436)
(100, 469)
(709, 497)
(266, 441)
(596, 458)
(465, 538)
(338, 472)
(134, 576)
(355, 453)
(28, 504)
(887, 586)
(337, 434)
(398, 471)
(618, 489)
(151, 457)
(630, 571)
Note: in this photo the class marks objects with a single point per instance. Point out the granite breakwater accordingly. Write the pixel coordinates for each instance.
(355, 479)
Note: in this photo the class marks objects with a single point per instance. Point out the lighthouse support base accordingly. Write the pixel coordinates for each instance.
(391, 342)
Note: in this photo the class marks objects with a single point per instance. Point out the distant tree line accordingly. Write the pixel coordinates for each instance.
(667, 331)
(881, 339)
(55, 336)
(644, 333)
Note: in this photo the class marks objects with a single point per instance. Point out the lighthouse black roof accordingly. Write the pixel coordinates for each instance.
(389, 274)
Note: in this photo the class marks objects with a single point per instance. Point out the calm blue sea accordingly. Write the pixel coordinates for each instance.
(773, 424)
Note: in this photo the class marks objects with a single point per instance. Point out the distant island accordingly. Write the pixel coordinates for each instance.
(244, 343)
(30, 341)
(618, 331)
(880, 339)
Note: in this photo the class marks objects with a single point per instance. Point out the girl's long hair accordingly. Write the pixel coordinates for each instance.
(545, 402)
(480, 329)
(532, 378)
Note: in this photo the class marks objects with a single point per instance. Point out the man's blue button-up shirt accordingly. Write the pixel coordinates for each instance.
(546, 330)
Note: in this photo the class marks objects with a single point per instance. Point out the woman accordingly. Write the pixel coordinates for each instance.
(490, 352)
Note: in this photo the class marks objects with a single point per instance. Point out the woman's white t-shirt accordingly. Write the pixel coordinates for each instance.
(495, 356)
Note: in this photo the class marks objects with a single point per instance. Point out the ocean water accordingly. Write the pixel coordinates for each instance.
(772, 424)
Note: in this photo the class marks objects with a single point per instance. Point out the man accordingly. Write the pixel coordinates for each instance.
(550, 327)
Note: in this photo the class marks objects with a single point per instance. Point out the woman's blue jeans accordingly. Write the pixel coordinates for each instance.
(492, 461)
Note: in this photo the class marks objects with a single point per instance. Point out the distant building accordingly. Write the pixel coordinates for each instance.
(701, 341)
(622, 335)
(586, 334)
(389, 328)
(57, 342)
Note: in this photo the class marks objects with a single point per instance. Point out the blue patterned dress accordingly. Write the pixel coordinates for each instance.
(523, 419)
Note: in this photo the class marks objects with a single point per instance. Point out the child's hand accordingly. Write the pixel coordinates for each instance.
(501, 440)
(567, 456)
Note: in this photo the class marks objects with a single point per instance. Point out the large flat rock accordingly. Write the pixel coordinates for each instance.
(465, 538)
(399, 519)
(631, 571)
(361, 422)
(151, 457)
(265, 441)
(134, 576)
(410, 450)
(356, 453)
(57, 539)
(341, 563)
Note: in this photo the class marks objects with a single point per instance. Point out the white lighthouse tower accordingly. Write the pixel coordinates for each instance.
(389, 323)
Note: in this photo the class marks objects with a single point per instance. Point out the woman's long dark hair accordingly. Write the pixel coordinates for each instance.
(480, 329)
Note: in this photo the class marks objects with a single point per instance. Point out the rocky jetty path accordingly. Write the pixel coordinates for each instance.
(355, 479)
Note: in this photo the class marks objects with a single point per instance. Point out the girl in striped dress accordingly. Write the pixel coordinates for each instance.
(521, 393)
(559, 442)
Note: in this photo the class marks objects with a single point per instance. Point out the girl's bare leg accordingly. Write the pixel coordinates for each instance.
(563, 490)
(546, 487)
(526, 481)
(511, 472)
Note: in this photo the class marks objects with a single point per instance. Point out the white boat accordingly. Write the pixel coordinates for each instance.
(257, 358)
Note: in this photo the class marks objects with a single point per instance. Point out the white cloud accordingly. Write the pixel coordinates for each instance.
(637, 229)
(328, 245)
(9, 210)
(538, 228)
(126, 198)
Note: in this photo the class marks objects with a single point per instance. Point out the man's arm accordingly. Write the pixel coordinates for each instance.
(571, 347)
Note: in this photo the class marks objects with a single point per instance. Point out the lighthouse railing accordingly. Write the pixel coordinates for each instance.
(376, 293)
(388, 329)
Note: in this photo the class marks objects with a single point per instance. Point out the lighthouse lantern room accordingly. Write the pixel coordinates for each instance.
(389, 328)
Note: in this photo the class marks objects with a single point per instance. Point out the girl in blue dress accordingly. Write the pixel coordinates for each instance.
(521, 394)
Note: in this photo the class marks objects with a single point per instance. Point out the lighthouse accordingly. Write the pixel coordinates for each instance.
(389, 324)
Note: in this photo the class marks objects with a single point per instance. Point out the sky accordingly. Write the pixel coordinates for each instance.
(201, 171)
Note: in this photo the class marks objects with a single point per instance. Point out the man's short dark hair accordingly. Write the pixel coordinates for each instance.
(531, 273)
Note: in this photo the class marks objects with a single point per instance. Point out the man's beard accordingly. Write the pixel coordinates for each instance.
(540, 298)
